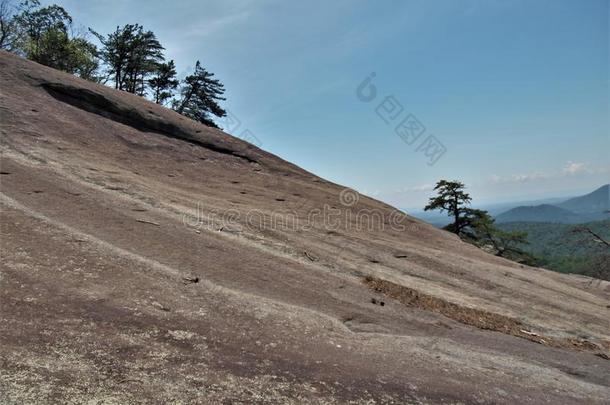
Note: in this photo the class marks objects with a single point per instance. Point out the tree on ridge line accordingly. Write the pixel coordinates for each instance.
(476, 226)
(199, 97)
(131, 56)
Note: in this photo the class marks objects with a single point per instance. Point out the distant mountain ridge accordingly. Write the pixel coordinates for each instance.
(589, 207)
(597, 201)
(539, 213)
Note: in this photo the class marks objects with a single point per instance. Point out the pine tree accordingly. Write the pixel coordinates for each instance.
(480, 229)
(200, 94)
(453, 199)
(146, 53)
(131, 55)
(477, 226)
(164, 82)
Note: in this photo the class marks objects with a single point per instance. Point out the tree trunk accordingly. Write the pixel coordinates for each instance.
(456, 213)
(185, 100)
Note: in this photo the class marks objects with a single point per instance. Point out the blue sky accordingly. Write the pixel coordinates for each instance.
(516, 91)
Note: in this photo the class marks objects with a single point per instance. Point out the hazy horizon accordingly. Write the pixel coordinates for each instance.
(535, 199)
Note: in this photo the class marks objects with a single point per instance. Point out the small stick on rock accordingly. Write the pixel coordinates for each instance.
(125, 380)
(160, 306)
(148, 222)
(311, 257)
(190, 279)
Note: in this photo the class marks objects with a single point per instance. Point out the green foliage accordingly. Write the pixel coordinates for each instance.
(135, 63)
(131, 55)
(133, 58)
(482, 231)
(452, 199)
(42, 35)
(56, 49)
(476, 226)
(43, 27)
(82, 59)
(164, 82)
(200, 94)
(566, 248)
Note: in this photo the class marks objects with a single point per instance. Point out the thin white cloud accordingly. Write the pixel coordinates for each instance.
(572, 168)
(416, 189)
(217, 25)
(519, 178)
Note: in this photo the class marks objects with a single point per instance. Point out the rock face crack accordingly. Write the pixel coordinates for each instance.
(97, 103)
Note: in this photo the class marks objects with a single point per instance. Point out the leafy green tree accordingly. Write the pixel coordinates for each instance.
(200, 94)
(83, 59)
(42, 34)
(164, 82)
(131, 55)
(73, 55)
(45, 29)
(451, 198)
